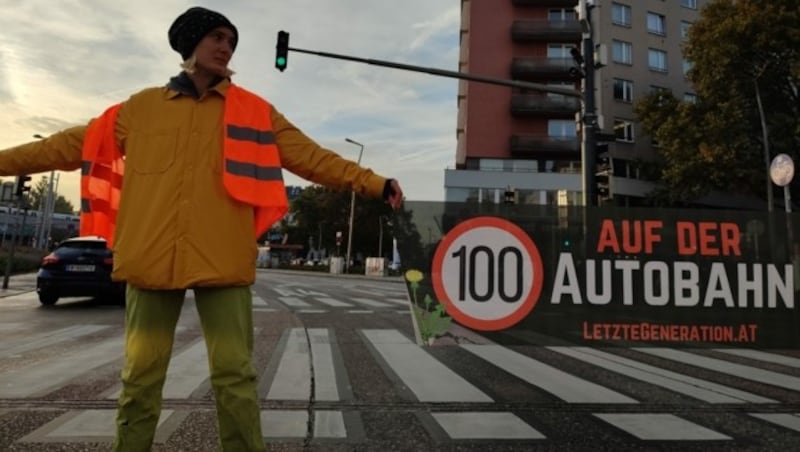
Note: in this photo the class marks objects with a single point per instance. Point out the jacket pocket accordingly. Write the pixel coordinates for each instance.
(152, 152)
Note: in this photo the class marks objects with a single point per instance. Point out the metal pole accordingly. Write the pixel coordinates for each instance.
(444, 73)
(787, 198)
(11, 251)
(352, 210)
(765, 137)
(52, 204)
(380, 236)
(588, 148)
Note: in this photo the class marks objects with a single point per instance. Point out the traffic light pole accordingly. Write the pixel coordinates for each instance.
(444, 73)
(589, 119)
(10, 258)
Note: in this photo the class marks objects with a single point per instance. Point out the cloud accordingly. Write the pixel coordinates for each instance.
(62, 63)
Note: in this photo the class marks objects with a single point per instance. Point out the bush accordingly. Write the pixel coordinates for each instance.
(25, 260)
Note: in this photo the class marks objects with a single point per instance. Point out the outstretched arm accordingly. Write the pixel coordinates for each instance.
(60, 151)
(305, 158)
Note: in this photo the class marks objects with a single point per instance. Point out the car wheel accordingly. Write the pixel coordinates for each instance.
(47, 299)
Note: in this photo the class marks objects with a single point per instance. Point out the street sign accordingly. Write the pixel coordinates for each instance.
(488, 273)
(781, 170)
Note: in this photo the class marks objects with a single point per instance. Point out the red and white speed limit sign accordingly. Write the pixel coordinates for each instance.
(488, 273)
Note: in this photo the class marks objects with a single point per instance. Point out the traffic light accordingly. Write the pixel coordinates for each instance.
(22, 185)
(510, 196)
(603, 173)
(282, 51)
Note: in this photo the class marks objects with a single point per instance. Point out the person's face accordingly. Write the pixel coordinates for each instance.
(215, 51)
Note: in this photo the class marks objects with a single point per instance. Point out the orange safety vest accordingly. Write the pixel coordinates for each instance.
(251, 165)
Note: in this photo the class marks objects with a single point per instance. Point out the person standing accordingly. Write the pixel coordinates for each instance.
(200, 180)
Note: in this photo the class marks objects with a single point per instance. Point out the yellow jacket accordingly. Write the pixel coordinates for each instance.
(177, 227)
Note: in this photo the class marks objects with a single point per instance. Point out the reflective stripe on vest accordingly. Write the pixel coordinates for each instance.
(252, 171)
(101, 177)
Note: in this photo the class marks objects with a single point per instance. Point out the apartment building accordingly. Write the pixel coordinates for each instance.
(529, 140)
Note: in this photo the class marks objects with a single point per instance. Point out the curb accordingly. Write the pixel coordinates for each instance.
(392, 279)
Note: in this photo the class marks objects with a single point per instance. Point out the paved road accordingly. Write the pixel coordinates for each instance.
(339, 370)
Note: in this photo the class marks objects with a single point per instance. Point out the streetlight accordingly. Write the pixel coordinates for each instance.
(352, 206)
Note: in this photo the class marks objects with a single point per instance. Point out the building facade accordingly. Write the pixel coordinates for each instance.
(529, 141)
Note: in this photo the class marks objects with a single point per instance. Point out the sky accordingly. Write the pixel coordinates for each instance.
(63, 62)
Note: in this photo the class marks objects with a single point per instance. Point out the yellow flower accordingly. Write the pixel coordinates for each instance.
(414, 276)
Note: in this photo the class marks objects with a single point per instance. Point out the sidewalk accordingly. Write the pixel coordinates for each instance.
(20, 283)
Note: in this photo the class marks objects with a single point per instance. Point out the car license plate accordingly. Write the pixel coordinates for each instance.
(80, 268)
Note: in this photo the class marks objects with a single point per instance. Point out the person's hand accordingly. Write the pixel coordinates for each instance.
(393, 194)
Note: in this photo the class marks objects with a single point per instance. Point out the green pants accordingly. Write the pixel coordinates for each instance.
(227, 320)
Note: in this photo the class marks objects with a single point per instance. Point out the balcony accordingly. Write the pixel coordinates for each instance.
(546, 3)
(545, 147)
(532, 30)
(544, 104)
(542, 68)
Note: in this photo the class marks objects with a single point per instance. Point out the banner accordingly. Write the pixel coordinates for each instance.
(601, 276)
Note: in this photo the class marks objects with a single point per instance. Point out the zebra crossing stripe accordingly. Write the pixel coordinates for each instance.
(41, 340)
(758, 355)
(292, 424)
(292, 379)
(371, 303)
(36, 378)
(565, 386)
(480, 425)
(258, 301)
(94, 426)
(402, 301)
(660, 427)
(325, 388)
(738, 370)
(186, 372)
(293, 302)
(425, 376)
(333, 302)
(693, 387)
(786, 420)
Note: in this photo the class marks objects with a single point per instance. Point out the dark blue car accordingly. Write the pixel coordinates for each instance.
(78, 267)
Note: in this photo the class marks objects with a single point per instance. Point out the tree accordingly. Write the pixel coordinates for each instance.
(716, 143)
(317, 213)
(38, 195)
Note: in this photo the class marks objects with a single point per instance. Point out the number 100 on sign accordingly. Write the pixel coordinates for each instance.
(488, 273)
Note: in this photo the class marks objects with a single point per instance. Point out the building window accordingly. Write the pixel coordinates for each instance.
(685, 29)
(561, 128)
(491, 165)
(559, 50)
(623, 129)
(561, 15)
(621, 14)
(623, 90)
(657, 60)
(524, 166)
(690, 97)
(691, 4)
(656, 24)
(622, 52)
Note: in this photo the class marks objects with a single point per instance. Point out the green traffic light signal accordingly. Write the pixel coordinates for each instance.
(282, 51)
